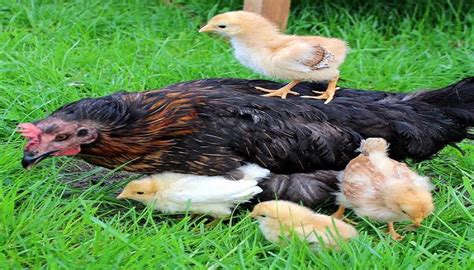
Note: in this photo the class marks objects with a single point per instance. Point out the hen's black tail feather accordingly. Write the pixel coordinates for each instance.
(457, 100)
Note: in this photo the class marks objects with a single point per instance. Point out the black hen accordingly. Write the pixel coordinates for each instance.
(211, 127)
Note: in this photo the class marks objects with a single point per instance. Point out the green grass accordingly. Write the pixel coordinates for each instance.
(54, 52)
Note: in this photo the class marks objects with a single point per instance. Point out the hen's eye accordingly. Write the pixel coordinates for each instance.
(61, 137)
(222, 26)
(82, 132)
(140, 192)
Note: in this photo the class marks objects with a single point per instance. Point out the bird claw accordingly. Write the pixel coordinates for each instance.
(396, 237)
(391, 230)
(346, 220)
(282, 92)
(264, 89)
(325, 96)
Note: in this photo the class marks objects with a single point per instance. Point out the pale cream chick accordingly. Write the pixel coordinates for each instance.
(259, 45)
(382, 189)
(279, 219)
(212, 195)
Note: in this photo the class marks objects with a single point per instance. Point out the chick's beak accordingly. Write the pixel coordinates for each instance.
(121, 196)
(253, 214)
(206, 28)
(417, 222)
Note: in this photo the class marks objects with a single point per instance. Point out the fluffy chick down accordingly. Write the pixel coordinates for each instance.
(278, 219)
(260, 46)
(383, 189)
(213, 195)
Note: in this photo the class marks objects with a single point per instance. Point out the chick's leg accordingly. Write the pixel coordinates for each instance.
(328, 95)
(339, 214)
(393, 233)
(282, 92)
(213, 223)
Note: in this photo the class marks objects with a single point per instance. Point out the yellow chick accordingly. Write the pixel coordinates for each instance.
(212, 195)
(382, 189)
(259, 45)
(279, 218)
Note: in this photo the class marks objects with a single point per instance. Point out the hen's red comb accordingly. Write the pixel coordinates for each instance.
(30, 131)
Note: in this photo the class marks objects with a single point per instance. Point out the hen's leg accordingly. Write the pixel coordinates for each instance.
(339, 214)
(282, 92)
(328, 95)
(393, 233)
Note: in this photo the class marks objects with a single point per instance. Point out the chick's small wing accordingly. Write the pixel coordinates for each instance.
(303, 57)
(215, 189)
(402, 172)
(361, 179)
(312, 234)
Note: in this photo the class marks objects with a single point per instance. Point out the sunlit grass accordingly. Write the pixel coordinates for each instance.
(52, 53)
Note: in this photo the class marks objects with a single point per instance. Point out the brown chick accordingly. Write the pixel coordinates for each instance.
(279, 218)
(382, 189)
(259, 45)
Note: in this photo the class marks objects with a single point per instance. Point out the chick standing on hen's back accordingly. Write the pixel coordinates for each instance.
(382, 189)
(213, 195)
(278, 219)
(259, 45)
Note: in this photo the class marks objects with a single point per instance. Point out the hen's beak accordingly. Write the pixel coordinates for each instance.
(30, 159)
(206, 28)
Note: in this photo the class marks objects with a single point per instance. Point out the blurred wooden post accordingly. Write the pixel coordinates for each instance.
(275, 10)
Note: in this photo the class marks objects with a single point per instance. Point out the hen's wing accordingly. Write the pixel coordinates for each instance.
(208, 190)
(283, 137)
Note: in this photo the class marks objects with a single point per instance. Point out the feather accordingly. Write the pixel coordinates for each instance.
(214, 195)
(213, 127)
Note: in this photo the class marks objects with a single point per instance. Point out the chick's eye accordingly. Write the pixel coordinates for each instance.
(140, 192)
(221, 26)
(61, 137)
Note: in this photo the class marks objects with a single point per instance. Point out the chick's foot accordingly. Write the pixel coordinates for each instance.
(339, 214)
(328, 95)
(391, 230)
(282, 92)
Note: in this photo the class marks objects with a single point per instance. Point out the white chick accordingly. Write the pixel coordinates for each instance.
(259, 45)
(212, 195)
(382, 189)
(278, 219)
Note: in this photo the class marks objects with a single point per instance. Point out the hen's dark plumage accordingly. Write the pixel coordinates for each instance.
(213, 126)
